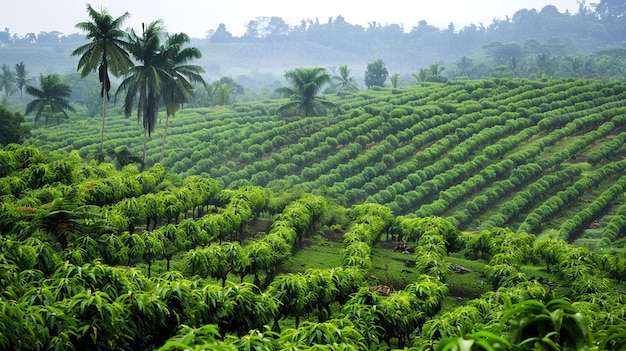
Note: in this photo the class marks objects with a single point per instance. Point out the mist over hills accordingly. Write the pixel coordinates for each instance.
(270, 46)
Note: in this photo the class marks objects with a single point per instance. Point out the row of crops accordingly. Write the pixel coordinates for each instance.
(481, 154)
(78, 241)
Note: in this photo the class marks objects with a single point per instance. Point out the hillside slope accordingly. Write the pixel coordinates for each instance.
(537, 156)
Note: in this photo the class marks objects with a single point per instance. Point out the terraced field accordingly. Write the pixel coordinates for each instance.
(542, 157)
(418, 218)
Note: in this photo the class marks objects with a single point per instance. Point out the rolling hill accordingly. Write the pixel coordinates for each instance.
(336, 232)
(538, 156)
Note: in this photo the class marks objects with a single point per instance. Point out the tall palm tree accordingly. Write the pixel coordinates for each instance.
(51, 97)
(178, 87)
(344, 81)
(306, 85)
(107, 52)
(145, 81)
(21, 76)
(7, 81)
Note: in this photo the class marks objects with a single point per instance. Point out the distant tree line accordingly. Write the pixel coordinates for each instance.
(593, 26)
(532, 43)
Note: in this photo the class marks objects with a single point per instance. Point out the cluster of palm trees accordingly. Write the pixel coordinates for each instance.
(11, 82)
(153, 63)
(50, 98)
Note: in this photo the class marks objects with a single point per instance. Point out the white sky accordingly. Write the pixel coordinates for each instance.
(196, 17)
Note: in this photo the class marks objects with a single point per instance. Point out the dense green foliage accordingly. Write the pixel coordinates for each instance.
(12, 129)
(222, 239)
(529, 155)
(76, 270)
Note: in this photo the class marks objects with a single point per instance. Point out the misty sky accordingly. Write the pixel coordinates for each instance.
(196, 17)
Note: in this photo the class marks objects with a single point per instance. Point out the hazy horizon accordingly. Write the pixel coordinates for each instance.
(197, 17)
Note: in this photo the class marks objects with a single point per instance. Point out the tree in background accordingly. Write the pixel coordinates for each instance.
(223, 94)
(11, 128)
(220, 35)
(376, 74)
(394, 79)
(223, 91)
(613, 14)
(306, 84)
(21, 76)
(50, 98)
(7, 81)
(421, 75)
(435, 71)
(180, 75)
(464, 65)
(344, 82)
(107, 52)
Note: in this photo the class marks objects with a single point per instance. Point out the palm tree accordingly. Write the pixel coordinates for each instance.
(178, 85)
(51, 97)
(394, 78)
(344, 81)
(306, 85)
(421, 75)
(7, 81)
(145, 81)
(21, 76)
(223, 93)
(464, 65)
(435, 70)
(107, 52)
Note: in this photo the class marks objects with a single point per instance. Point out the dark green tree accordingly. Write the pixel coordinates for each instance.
(306, 84)
(376, 74)
(11, 128)
(146, 80)
(50, 98)
(107, 52)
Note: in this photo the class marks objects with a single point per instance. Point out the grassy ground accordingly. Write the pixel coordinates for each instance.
(391, 268)
(316, 252)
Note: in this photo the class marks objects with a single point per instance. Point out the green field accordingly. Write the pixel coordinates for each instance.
(429, 215)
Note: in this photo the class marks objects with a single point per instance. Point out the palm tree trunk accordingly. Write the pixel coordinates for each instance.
(145, 140)
(167, 117)
(104, 112)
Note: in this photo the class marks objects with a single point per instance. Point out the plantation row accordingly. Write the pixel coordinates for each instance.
(76, 258)
(463, 150)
